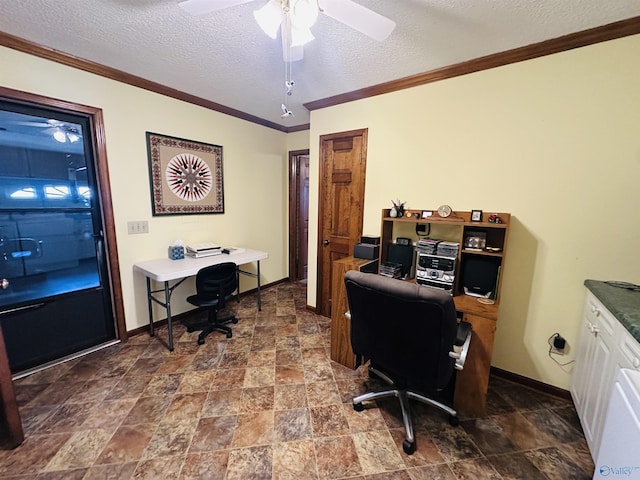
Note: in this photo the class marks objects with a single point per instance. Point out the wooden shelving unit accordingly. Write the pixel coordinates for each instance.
(473, 381)
(454, 228)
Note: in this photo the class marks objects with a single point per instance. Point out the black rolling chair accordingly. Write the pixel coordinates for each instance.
(412, 338)
(214, 286)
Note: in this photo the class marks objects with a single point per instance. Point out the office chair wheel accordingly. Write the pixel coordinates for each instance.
(408, 447)
(200, 341)
(454, 420)
(234, 320)
(229, 334)
(358, 407)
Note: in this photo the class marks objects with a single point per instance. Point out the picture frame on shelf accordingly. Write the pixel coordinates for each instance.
(426, 213)
(476, 215)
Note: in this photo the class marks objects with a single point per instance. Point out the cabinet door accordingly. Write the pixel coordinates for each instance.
(628, 351)
(472, 381)
(595, 368)
(586, 344)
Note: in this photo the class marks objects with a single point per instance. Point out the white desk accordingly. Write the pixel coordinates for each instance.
(166, 270)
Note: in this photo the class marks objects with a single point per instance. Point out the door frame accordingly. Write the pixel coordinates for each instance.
(98, 139)
(294, 204)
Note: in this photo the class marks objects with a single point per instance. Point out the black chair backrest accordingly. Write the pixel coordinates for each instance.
(406, 329)
(217, 281)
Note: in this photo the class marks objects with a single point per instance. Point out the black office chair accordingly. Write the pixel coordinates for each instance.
(214, 286)
(412, 338)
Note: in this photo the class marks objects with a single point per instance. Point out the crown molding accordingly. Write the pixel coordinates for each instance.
(31, 48)
(591, 36)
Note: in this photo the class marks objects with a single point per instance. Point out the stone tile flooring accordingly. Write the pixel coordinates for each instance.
(269, 404)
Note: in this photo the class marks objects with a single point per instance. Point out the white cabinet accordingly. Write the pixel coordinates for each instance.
(594, 372)
(628, 352)
(604, 347)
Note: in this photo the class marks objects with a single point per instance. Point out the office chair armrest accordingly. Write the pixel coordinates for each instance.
(461, 345)
(464, 329)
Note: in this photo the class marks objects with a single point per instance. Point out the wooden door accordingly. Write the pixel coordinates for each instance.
(63, 292)
(298, 214)
(343, 159)
(303, 217)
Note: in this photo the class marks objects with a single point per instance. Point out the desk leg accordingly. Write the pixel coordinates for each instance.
(149, 299)
(259, 300)
(238, 283)
(167, 299)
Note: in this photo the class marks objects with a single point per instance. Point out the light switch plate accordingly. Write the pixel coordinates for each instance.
(139, 226)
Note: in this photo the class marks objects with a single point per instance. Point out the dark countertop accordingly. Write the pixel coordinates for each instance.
(623, 303)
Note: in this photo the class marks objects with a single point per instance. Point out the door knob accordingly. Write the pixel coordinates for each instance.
(4, 283)
(325, 243)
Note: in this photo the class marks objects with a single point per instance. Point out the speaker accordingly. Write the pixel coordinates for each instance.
(479, 275)
(402, 254)
(367, 251)
(370, 239)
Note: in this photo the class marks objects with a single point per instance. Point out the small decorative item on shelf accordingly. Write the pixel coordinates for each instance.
(398, 209)
(494, 219)
(444, 211)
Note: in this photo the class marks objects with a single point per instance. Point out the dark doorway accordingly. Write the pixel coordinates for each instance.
(57, 278)
(298, 214)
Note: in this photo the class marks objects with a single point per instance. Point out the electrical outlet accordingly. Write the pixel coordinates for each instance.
(139, 226)
(557, 344)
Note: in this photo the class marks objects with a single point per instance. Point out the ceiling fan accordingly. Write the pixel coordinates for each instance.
(60, 131)
(294, 18)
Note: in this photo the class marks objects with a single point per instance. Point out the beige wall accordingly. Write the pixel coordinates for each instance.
(255, 166)
(555, 141)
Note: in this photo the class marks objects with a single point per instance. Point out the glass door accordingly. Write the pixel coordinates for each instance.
(55, 298)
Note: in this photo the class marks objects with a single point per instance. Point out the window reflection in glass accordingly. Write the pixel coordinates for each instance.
(47, 241)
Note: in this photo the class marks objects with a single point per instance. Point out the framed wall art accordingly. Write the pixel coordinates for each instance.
(185, 176)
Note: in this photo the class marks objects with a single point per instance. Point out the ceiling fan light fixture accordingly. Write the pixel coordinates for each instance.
(269, 17)
(59, 135)
(304, 13)
(300, 36)
(73, 137)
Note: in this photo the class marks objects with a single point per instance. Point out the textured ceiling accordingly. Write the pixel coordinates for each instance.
(225, 58)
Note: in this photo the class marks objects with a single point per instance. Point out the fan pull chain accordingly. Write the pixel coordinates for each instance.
(288, 72)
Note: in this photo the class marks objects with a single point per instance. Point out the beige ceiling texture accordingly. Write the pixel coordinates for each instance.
(224, 57)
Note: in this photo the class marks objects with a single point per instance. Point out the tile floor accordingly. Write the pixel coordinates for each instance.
(269, 404)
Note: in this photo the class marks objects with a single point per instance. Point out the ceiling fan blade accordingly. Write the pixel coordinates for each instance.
(359, 18)
(34, 124)
(200, 7)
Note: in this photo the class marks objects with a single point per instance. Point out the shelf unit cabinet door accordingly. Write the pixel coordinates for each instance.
(473, 381)
(341, 351)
